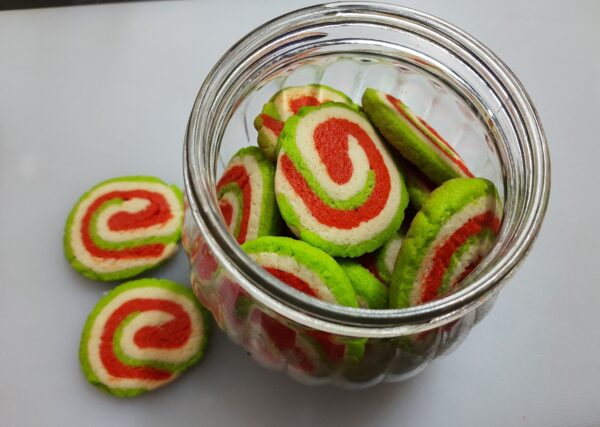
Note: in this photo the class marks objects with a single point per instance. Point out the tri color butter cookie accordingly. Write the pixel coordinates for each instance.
(246, 196)
(413, 137)
(445, 241)
(142, 335)
(313, 272)
(337, 185)
(303, 267)
(275, 344)
(285, 104)
(123, 226)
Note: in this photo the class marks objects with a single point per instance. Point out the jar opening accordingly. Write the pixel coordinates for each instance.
(363, 32)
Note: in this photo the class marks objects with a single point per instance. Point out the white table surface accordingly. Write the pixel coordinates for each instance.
(88, 93)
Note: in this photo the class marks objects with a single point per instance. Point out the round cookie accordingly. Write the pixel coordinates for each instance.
(413, 137)
(307, 353)
(303, 267)
(337, 185)
(123, 226)
(445, 241)
(313, 272)
(246, 197)
(285, 104)
(142, 335)
(370, 292)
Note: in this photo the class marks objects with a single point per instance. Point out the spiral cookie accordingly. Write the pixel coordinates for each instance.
(316, 274)
(285, 104)
(370, 292)
(336, 184)
(309, 353)
(302, 267)
(445, 241)
(233, 307)
(142, 335)
(413, 137)
(123, 226)
(246, 196)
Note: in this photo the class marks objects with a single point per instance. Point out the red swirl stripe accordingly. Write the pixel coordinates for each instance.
(292, 280)
(454, 159)
(169, 335)
(226, 211)
(303, 101)
(331, 136)
(239, 175)
(274, 125)
(443, 253)
(157, 212)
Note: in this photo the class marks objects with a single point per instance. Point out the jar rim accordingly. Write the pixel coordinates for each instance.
(298, 307)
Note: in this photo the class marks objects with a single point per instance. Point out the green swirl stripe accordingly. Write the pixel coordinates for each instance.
(480, 239)
(234, 189)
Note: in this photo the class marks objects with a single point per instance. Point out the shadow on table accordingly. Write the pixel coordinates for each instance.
(33, 4)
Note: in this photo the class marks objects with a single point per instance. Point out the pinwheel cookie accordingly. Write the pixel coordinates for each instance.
(413, 137)
(142, 335)
(123, 226)
(246, 196)
(337, 185)
(303, 267)
(313, 272)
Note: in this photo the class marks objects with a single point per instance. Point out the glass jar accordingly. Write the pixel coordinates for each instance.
(448, 78)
